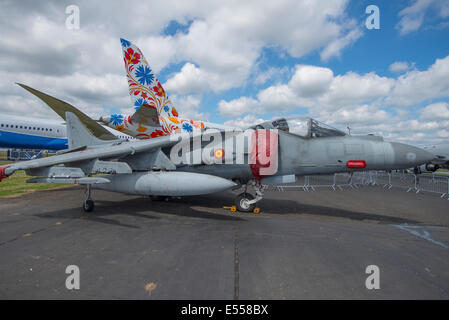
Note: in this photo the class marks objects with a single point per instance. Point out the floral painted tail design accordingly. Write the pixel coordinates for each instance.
(146, 92)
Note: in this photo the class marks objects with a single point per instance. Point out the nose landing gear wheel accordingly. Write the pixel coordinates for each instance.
(88, 206)
(242, 202)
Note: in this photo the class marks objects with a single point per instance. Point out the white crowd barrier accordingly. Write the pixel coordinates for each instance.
(434, 183)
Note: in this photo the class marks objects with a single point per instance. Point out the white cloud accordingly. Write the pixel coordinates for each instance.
(312, 87)
(336, 46)
(226, 43)
(188, 107)
(438, 110)
(352, 89)
(417, 86)
(245, 122)
(159, 51)
(400, 66)
(279, 98)
(310, 81)
(359, 116)
(192, 79)
(237, 107)
(262, 77)
(189, 80)
(444, 134)
(413, 16)
(86, 92)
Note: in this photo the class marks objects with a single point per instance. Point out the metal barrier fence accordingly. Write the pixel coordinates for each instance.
(433, 183)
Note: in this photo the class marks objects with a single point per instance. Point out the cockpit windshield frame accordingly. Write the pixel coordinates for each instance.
(312, 128)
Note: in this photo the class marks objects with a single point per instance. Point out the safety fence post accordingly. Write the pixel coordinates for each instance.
(309, 185)
(351, 184)
(414, 184)
(388, 185)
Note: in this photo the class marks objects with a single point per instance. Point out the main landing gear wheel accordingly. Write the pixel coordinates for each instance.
(242, 202)
(245, 201)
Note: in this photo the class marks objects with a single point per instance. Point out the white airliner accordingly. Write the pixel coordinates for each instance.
(41, 134)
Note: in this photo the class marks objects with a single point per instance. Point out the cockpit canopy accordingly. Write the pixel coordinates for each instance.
(302, 126)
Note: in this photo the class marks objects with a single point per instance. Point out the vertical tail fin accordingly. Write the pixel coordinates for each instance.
(78, 135)
(147, 92)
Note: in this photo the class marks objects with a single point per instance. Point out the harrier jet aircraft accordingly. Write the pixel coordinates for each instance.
(213, 161)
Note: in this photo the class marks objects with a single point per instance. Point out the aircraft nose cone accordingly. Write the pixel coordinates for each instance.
(407, 156)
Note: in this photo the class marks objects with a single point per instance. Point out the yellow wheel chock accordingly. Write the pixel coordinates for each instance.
(234, 209)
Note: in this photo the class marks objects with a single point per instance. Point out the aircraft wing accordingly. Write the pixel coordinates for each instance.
(61, 107)
(88, 153)
(89, 158)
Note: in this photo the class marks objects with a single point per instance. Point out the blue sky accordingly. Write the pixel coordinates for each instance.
(240, 63)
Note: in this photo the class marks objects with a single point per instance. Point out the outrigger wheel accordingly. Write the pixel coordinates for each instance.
(88, 206)
(242, 202)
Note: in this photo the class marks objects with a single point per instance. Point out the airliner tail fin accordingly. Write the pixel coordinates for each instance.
(147, 92)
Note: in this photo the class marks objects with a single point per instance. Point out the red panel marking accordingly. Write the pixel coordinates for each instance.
(356, 164)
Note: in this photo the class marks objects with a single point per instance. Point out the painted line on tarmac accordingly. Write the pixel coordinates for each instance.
(236, 265)
(424, 234)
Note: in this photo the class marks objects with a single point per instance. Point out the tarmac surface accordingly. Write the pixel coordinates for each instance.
(303, 245)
